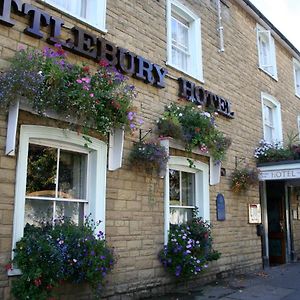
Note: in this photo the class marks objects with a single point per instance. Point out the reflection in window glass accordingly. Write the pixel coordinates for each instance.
(41, 171)
(55, 190)
(182, 195)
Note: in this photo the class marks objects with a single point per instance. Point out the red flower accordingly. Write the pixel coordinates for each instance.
(37, 281)
(8, 267)
(197, 129)
(103, 63)
(86, 69)
(49, 287)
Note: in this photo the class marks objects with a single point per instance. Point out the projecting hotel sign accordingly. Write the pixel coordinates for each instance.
(279, 174)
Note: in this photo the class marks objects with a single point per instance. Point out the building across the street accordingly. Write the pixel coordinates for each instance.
(222, 56)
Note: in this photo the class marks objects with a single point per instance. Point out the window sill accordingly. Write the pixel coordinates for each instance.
(269, 74)
(75, 18)
(14, 272)
(179, 145)
(198, 78)
(298, 96)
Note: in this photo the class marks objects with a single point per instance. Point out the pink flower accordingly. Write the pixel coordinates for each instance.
(91, 95)
(103, 63)
(85, 87)
(86, 79)
(79, 81)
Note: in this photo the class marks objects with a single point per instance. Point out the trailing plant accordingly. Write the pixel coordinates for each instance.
(189, 248)
(195, 128)
(243, 178)
(100, 100)
(149, 155)
(52, 254)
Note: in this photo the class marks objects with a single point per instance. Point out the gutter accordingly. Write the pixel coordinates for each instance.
(260, 18)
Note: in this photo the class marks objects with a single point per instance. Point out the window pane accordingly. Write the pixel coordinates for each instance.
(180, 215)
(73, 6)
(41, 171)
(72, 210)
(174, 187)
(72, 175)
(269, 134)
(188, 188)
(37, 211)
(298, 81)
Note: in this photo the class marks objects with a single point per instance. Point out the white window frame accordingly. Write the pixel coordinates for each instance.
(261, 31)
(100, 6)
(298, 126)
(269, 100)
(195, 66)
(96, 171)
(201, 171)
(296, 67)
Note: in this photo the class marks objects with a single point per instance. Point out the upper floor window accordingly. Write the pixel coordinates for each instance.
(266, 51)
(92, 12)
(271, 114)
(297, 76)
(58, 177)
(184, 40)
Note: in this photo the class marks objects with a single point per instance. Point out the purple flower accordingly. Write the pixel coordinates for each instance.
(131, 115)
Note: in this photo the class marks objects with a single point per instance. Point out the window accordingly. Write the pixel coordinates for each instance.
(57, 176)
(92, 12)
(182, 195)
(297, 76)
(298, 123)
(271, 119)
(186, 188)
(266, 51)
(184, 40)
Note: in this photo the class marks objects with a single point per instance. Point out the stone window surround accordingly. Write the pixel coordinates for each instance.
(275, 104)
(271, 53)
(201, 171)
(196, 67)
(96, 172)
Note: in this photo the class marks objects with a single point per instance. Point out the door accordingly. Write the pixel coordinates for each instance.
(276, 223)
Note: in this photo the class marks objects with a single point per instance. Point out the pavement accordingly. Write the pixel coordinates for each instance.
(274, 283)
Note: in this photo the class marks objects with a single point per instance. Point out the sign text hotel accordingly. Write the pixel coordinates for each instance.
(88, 45)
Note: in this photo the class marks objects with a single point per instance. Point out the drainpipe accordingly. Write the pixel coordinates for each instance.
(220, 27)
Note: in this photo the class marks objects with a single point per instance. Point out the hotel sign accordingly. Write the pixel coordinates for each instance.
(96, 48)
(279, 174)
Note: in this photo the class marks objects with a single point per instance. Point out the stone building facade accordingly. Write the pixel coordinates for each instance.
(241, 57)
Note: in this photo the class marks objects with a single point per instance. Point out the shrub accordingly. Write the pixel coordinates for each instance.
(49, 255)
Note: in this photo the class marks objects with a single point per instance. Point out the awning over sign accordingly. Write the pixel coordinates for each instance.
(279, 170)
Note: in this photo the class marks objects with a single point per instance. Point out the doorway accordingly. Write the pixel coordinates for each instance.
(276, 222)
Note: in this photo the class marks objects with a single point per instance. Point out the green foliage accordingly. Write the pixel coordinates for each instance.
(189, 248)
(101, 100)
(243, 179)
(49, 255)
(195, 128)
(273, 152)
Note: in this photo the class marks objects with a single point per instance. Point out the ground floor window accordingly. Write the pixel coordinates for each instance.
(185, 189)
(58, 177)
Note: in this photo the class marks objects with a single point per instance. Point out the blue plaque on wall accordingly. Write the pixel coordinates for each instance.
(220, 207)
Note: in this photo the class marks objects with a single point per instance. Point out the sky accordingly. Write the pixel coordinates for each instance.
(285, 15)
